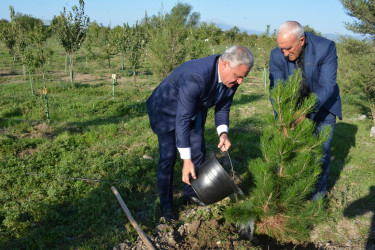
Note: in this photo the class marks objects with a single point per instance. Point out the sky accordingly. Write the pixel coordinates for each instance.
(325, 16)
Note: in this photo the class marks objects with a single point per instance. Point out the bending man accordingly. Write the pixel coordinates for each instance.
(178, 108)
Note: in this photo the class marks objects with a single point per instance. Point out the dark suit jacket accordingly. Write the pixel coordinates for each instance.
(320, 69)
(189, 89)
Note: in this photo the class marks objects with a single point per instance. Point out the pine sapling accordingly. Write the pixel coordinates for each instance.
(279, 202)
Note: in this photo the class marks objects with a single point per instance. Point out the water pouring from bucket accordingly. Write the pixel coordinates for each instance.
(213, 183)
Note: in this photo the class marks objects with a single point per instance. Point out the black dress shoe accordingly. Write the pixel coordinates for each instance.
(169, 215)
(193, 199)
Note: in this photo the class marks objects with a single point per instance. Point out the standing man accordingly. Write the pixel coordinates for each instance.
(178, 108)
(317, 59)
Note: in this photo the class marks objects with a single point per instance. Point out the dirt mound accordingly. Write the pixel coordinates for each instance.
(200, 231)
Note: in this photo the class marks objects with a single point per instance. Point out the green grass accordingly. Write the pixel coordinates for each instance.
(90, 135)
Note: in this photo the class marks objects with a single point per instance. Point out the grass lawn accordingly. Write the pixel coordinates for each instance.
(90, 135)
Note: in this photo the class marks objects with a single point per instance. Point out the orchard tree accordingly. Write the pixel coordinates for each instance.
(8, 37)
(121, 39)
(364, 11)
(138, 40)
(71, 31)
(23, 31)
(231, 35)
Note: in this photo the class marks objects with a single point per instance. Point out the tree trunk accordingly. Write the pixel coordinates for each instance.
(23, 67)
(122, 62)
(134, 78)
(66, 63)
(109, 63)
(31, 84)
(71, 68)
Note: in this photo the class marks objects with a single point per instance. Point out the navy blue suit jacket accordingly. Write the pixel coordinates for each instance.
(320, 69)
(189, 89)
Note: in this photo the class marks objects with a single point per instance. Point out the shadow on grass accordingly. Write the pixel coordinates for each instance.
(122, 114)
(265, 242)
(361, 206)
(246, 99)
(343, 140)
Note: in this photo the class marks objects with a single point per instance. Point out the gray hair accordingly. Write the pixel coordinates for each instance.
(292, 27)
(238, 55)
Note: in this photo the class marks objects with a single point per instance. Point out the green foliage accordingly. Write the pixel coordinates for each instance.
(121, 38)
(168, 38)
(8, 36)
(358, 77)
(101, 38)
(311, 30)
(138, 40)
(364, 12)
(286, 176)
(71, 30)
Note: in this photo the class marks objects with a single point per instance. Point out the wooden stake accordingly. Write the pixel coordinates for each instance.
(139, 230)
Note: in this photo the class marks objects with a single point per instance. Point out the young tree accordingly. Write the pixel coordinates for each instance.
(121, 37)
(22, 32)
(8, 37)
(71, 31)
(286, 176)
(138, 41)
(364, 11)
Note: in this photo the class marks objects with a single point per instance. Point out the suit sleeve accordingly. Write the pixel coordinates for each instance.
(327, 76)
(222, 110)
(276, 71)
(188, 96)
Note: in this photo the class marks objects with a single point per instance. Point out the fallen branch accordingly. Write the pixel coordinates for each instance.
(139, 230)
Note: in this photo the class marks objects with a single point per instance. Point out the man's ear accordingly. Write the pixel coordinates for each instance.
(226, 64)
(302, 40)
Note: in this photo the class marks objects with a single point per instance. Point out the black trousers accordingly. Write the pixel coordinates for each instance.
(167, 160)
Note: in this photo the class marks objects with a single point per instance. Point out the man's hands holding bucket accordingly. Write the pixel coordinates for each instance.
(224, 143)
(187, 170)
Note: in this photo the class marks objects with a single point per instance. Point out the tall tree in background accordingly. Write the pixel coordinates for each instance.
(71, 31)
(169, 33)
(364, 11)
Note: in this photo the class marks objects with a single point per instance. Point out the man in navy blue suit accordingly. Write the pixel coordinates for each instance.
(316, 57)
(178, 108)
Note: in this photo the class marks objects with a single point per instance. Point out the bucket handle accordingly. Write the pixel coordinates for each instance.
(233, 175)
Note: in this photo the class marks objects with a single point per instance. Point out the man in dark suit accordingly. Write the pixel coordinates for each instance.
(316, 57)
(178, 108)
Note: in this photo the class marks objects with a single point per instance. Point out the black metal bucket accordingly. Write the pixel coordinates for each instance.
(213, 183)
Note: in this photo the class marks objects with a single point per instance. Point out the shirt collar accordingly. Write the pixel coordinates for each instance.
(218, 75)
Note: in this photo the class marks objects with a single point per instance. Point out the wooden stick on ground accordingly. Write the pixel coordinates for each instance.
(139, 230)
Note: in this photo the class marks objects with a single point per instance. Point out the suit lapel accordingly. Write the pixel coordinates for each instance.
(309, 62)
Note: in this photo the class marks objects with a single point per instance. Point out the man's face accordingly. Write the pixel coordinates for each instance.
(233, 76)
(290, 45)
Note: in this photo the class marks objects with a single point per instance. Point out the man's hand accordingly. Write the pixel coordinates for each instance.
(187, 169)
(224, 143)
